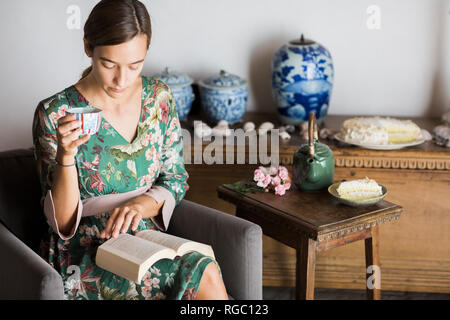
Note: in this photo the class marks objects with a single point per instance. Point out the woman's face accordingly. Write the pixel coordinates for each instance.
(116, 68)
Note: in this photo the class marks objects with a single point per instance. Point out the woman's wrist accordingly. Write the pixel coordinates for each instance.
(65, 160)
(152, 207)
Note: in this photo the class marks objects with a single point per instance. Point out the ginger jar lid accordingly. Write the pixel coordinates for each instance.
(174, 78)
(302, 41)
(223, 80)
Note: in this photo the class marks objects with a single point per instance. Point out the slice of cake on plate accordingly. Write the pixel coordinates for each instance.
(379, 131)
(359, 189)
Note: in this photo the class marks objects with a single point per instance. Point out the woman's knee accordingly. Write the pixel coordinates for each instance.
(211, 284)
(212, 275)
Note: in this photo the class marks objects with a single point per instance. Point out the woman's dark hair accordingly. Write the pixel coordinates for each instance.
(113, 22)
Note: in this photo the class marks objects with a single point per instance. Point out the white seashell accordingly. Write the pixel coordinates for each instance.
(284, 135)
(326, 133)
(222, 123)
(304, 135)
(290, 128)
(199, 132)
(198, 123)
(249, 126)
(426, 134)
(221, 131)
(442, 135)
(202, 129)
(264, 127)
(303, 126)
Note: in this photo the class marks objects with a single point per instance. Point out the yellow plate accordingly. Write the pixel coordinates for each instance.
(356, 203)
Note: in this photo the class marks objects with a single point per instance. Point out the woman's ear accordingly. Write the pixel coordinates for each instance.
(86, 48)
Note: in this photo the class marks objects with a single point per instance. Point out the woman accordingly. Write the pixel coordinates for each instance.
(127, 177)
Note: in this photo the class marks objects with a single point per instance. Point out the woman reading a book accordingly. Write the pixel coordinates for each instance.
(127, 177)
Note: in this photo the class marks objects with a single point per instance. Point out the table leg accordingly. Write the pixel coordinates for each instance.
(305, 271)
(373, 268)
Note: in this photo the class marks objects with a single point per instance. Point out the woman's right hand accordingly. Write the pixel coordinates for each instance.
(67, 134)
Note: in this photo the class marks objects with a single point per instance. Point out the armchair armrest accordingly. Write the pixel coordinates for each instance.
(23, 273)
(237, 245)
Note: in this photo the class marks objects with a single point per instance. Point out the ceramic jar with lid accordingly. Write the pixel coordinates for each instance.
(302, 80)
(180, 84)
(224, 97)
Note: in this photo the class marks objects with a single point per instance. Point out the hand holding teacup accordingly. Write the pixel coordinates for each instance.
(67, 134)
(76, 122)
(90, 118)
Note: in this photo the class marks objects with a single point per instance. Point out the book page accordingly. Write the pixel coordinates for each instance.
(131, 248)
(180, 245)
(164, 239)
(196, 246)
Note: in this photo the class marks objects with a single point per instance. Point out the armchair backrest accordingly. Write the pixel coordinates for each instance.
(20, 193)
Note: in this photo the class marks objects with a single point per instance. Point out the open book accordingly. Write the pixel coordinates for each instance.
(131, 256)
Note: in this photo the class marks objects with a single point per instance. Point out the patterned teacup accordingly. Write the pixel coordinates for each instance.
(90, 118)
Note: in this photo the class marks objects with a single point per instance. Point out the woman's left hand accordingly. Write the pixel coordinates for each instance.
(121, 218)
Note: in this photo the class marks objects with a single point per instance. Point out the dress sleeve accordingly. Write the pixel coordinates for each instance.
(171, 184)
(45, 147)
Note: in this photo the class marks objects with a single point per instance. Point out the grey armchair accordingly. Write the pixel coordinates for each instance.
(237, 243)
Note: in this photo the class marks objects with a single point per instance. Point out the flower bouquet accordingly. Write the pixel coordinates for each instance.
(273, 179)
(265, 180)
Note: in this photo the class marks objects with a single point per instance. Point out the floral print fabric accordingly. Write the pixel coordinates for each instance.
(109, 164)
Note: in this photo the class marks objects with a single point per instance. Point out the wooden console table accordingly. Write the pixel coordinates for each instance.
(311, 222)
(414, 251)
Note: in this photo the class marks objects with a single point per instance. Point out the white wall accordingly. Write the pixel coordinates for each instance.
(401, 69)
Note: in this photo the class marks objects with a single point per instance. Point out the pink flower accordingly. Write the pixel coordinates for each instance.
(265, 182)
(146, 180)
(189, 294)
(280, 190)
(164, 111)
(283, 173)
(259, 175)
(263, 170)
(96, 182)
(287, 185)
(149, 153)
(276, 181)
(146, 139)
(272, 171)
(105, 125)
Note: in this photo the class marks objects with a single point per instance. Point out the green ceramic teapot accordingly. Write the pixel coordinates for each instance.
(313, 166)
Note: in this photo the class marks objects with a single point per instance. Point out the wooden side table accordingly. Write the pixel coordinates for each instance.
(311, 222)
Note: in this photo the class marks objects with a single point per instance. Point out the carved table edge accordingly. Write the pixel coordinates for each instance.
(369, 222)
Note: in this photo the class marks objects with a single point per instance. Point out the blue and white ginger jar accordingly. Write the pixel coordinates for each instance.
(302, 80)
(224, 97)
(180, 85)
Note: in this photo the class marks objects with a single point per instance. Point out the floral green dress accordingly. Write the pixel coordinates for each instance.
(109, 164)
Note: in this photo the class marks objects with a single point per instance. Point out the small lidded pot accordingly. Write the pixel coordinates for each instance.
(180, 84)
(224, 97)
(313, 162)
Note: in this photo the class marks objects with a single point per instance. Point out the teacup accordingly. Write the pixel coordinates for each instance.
(90, 118)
